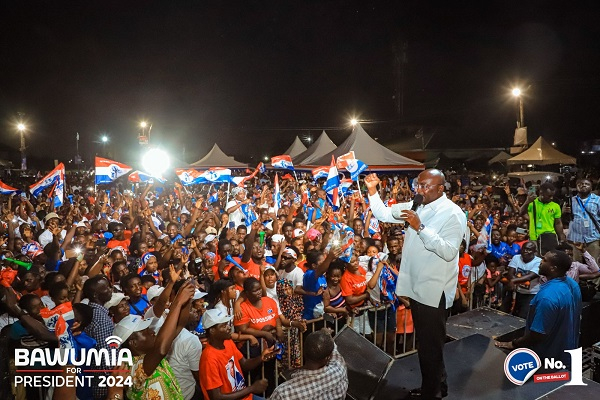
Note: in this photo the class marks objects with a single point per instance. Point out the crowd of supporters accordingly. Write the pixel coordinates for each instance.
(213, 288)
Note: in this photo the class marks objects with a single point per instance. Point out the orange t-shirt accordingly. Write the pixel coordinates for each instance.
(259, 318)
(221, 369)
(252, 267)
(464, 268)
(302, 265)
(354, 285)
(112, 243)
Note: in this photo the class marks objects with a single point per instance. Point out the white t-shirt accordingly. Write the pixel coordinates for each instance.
(184, 357)
(525, 268)
(296, 276)
(47, 237)
(237, 216)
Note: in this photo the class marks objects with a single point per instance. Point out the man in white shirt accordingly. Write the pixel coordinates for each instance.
(51, 222)
(428, 270)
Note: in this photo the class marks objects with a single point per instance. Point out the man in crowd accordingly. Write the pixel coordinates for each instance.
(553, 320)
(545, 225)
(428, 270)
(323, 376)
(585, 224)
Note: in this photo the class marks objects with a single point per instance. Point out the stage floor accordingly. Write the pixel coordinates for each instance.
(475, 369)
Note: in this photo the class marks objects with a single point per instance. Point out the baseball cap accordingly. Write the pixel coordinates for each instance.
(312, 234)
(129, 325)
(115, 299)
(210, 230)
(298, 232)
(198, 295)
(213, 317)
(49, 216)
(277, 238)
(209, 238)
(154, 291)
(237, 190)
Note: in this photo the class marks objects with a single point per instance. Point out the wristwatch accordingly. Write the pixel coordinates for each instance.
(421, 227)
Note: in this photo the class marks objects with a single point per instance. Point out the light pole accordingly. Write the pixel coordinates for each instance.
(21, 128)
(517, 93)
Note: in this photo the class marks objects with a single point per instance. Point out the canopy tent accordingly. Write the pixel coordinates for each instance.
(499, 158)
(217, 158)
(319, 148)
(366, 149)
(541, 153)
(296, 148)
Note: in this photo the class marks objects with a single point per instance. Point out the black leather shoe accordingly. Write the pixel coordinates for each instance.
(416, 393)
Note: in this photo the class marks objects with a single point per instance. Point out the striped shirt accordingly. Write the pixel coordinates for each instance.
(582, 229)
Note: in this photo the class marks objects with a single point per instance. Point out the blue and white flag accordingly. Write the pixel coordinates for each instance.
(332, 186)
(485, 236)
(356, 167)
(216, 175)
(5, 189)
(108, 171)
(276, 195)
(142, 177)
(387, 287)
(213, 198)
(345, 187)
(55, 180)
(249, 214)
(284, 162)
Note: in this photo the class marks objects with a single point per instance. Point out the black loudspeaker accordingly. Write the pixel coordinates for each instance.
(367, 363)
(487, 322)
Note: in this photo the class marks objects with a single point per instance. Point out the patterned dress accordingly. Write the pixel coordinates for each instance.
(161, 385)
(291, 308)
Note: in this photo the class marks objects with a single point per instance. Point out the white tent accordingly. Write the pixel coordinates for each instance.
(217, 158)
(366, 149)
(296, 148)
(319, 148)
(542, 153)
(499, 158)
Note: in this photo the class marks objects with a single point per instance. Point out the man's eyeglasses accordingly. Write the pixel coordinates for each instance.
(424, 186)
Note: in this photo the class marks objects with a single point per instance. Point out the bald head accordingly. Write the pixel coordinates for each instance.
(431, 185)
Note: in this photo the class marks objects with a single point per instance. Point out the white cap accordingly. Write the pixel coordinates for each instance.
(298, 232)
(154, 291)
(214, 317)
(198, 295)
(130, 324)
(277, 238)
(115, 299)
(209, 238)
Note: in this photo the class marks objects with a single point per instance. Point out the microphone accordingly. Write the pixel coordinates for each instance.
(417, 201)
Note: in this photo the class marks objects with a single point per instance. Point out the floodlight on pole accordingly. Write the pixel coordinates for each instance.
(519, 94)
(21, 128)
(156, 162)
(143, 124)
(353, 121)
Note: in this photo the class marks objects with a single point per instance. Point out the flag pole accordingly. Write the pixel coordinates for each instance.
(228, 185)
(295, 176)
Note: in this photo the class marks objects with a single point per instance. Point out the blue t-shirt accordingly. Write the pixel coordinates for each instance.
(83, 341)
(312, 283)
(499, 251)
(555, 312)
(513, 249)
(139, 307)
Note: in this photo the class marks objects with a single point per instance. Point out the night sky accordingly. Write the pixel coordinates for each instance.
(233, 71)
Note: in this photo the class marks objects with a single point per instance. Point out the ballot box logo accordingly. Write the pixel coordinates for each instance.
(520, 365)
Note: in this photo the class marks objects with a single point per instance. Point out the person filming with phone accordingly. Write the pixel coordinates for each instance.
(428, 270)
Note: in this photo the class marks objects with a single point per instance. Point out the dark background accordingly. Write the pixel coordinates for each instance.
(233, 71)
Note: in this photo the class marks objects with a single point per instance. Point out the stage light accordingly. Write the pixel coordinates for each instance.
(143, 124)
(266, 158)
(516, 92)
(156, 162)
(21, 127)
(353, 121)
(104, 139)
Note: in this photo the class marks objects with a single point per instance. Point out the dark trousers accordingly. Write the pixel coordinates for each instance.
(430, 328)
